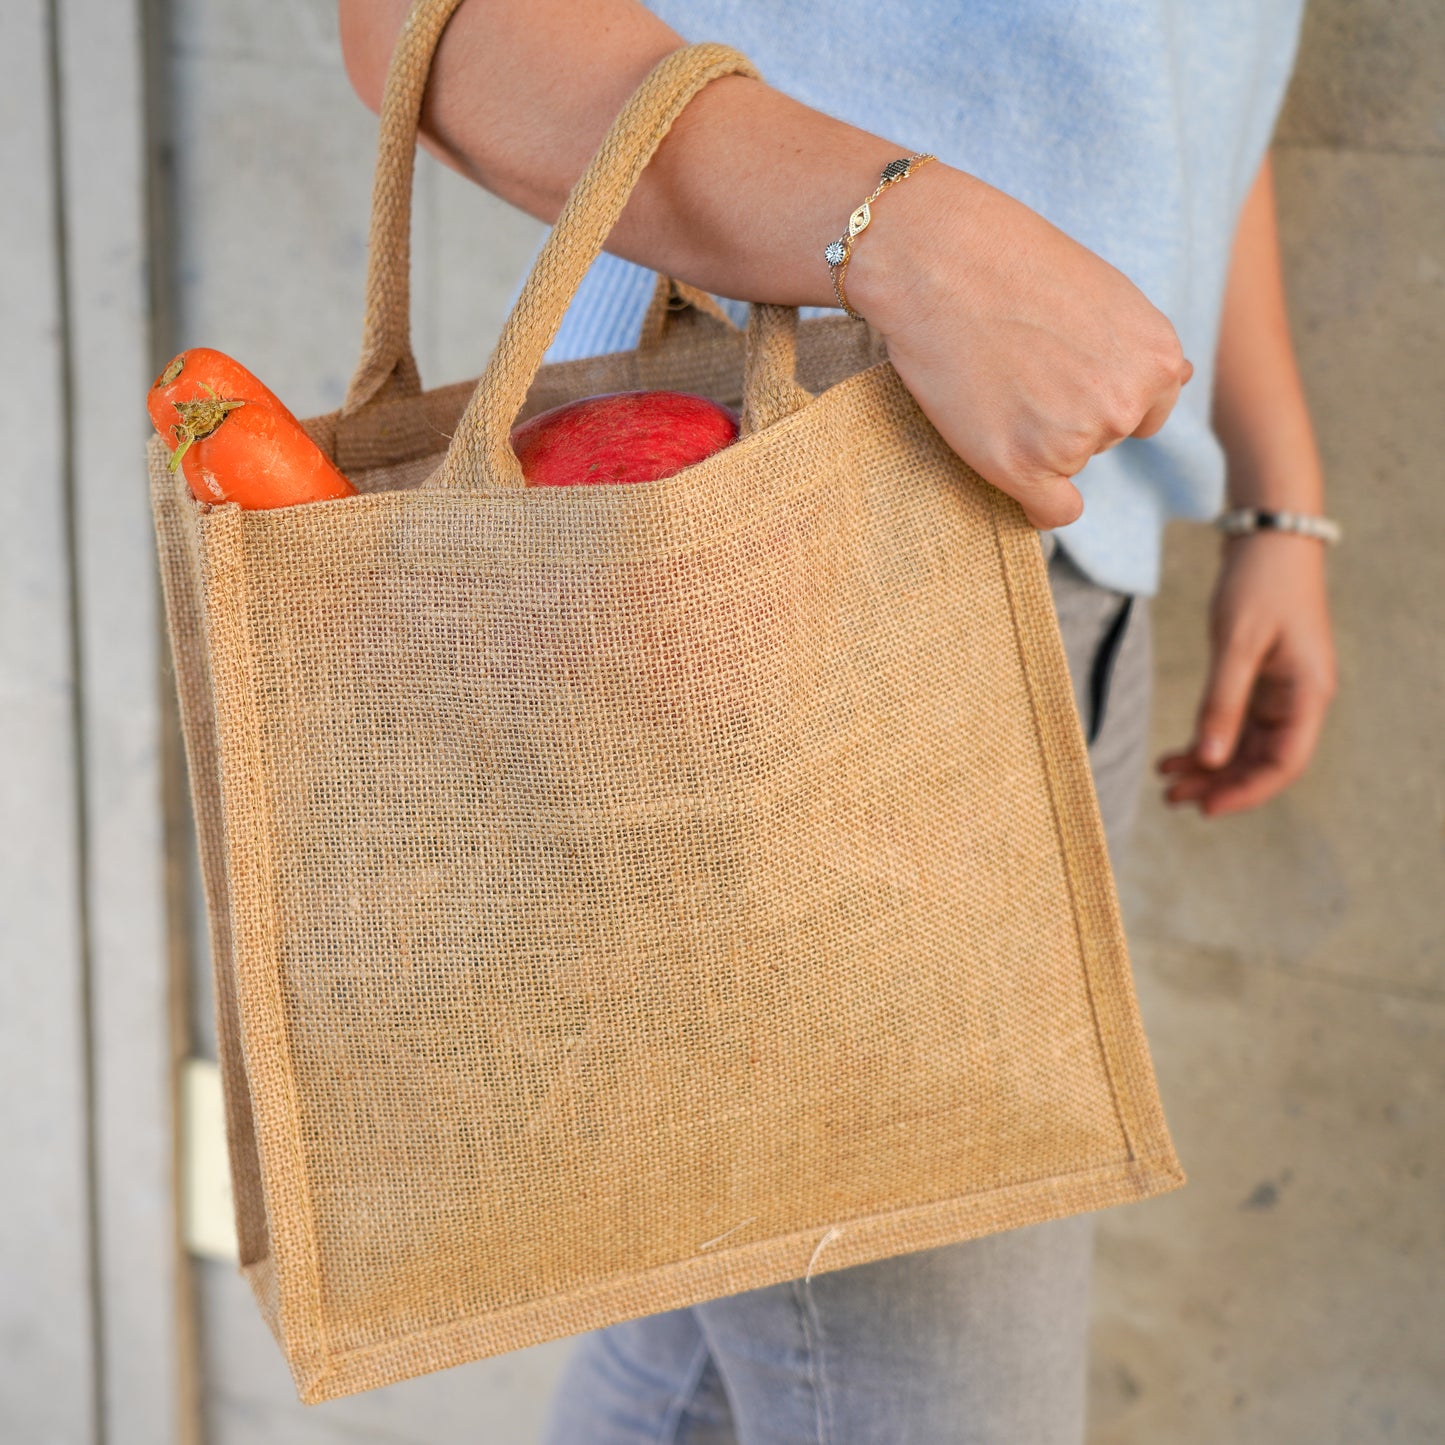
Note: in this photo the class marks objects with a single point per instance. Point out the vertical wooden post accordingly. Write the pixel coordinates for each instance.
(48, 1369)
(143, 1294)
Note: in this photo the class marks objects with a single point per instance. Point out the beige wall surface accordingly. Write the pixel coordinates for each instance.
(1291, 963)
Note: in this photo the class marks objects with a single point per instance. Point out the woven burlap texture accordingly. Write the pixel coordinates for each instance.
(625, 896)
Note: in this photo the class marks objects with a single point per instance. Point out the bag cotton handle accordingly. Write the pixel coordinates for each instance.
(387, 366)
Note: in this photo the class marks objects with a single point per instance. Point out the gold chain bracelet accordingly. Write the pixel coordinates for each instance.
(838, 253)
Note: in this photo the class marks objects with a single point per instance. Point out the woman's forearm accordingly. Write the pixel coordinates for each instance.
(1260, 413)
(741, 198)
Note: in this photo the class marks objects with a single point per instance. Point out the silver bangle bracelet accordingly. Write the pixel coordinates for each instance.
(1241, 521)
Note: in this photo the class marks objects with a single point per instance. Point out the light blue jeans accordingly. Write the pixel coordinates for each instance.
(980, 1343)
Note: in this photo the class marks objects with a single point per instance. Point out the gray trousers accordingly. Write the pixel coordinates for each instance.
(980, 1343)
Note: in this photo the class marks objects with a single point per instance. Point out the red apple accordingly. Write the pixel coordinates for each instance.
(626, 436)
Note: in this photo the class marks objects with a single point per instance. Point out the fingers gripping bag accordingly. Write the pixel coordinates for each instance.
(623, 896)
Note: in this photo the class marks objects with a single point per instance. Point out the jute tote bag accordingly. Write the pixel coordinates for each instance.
(624, 896)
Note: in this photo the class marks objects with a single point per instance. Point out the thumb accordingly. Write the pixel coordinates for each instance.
(1049, 502)
(1226, 696)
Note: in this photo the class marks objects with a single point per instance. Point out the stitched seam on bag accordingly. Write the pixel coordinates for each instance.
(239, 609)
(1027, 658)
(1141, 1171)
(177, 518)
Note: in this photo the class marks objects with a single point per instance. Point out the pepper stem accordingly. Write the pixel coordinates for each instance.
(198, 419)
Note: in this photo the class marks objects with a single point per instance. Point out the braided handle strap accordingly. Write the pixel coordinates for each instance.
(387, 366)
(481, 453)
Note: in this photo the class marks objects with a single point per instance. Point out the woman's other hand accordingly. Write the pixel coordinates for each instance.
(1271, 677)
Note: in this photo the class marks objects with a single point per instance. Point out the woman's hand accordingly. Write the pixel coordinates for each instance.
(1271, 678)
(1026, 350)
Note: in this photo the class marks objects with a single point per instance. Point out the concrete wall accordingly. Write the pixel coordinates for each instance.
(1291, 963)
(45, 1241)
(90, 1269)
